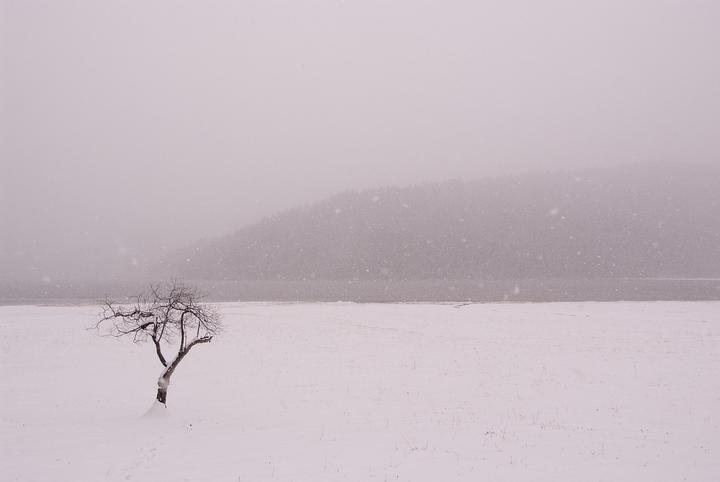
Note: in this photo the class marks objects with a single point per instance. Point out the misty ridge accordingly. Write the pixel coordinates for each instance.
(459, 240)
(642, 221)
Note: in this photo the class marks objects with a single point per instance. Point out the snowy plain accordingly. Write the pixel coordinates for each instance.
(372, 392)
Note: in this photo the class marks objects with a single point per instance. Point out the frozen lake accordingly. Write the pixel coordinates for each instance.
(399, 392)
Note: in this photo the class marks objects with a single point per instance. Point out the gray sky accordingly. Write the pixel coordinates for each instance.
(129, 125)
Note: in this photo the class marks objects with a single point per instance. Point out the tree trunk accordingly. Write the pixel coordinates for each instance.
(164, 379)
(163, 383)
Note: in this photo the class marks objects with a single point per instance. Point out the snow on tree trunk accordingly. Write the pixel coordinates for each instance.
(163, 383)
(164, 380)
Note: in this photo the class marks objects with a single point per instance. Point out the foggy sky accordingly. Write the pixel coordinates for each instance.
(127, 126)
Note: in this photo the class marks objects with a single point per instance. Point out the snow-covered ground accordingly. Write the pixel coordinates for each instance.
(361, 392)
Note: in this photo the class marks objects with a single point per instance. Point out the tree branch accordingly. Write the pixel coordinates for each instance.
(197, 341)
(158, 351)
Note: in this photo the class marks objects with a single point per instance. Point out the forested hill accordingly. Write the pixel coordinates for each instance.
(642, 221)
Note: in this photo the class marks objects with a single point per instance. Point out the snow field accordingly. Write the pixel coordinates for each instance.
(372, 392)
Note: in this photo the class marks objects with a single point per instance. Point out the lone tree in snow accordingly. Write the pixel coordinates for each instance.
(171, 316)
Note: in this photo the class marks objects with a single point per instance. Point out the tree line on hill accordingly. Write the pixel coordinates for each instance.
(643, 221)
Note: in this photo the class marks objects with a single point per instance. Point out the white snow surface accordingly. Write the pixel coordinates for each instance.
(371, 392)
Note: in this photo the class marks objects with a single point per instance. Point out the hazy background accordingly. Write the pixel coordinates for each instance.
(129, 128)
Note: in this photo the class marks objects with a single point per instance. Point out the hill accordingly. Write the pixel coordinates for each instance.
(642, 221)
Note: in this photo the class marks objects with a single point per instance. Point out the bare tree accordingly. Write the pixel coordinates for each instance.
(171, 316)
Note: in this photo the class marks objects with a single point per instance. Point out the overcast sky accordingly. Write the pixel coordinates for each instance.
(136, 124)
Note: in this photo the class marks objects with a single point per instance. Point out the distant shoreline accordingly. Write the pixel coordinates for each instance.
(480, 291)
